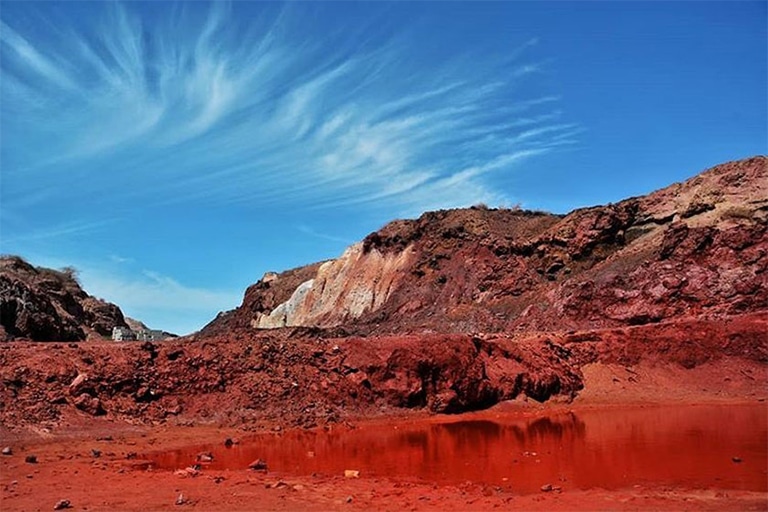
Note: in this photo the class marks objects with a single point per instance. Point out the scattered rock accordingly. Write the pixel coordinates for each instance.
(139, 465)
(258, 465)
(205, 457)
(76, 386)
(7, 451)
(89, 404)
(192, 471)
(62, 504)
(30, 459)
(351, 473)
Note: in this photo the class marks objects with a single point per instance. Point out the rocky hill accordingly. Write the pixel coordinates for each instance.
(43, 304)
(457, 310)
(693, 249)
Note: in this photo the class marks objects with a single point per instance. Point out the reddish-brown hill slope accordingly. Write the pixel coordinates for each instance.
(646, 288)
(694, 248)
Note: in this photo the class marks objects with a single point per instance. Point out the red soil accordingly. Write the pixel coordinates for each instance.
(66, 468)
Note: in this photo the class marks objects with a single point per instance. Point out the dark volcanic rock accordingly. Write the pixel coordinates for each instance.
(43, 304)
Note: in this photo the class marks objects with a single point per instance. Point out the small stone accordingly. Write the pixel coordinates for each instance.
(258, 465)
(349, 499)
(89, 404)
(189, 471)
(7, 451)
(228, 442)
(546, 488)
(205, 457)
(181, 500)
(351, 473)
(736, 459)
(76, 386)
(96, 453)
(62, 504)
(30, 459)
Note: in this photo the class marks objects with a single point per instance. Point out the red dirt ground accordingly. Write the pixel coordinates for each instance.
(66, 468)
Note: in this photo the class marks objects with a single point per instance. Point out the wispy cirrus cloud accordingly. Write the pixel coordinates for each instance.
(208, 108)
(142, 131)
(59, 230)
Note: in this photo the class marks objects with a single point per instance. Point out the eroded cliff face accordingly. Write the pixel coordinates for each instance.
(691, 249)
(342, 290)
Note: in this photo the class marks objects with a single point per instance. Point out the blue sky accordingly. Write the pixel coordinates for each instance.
(174, 152)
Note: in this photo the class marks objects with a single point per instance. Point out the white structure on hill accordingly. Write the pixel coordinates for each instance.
(122, 334)
(126, 334)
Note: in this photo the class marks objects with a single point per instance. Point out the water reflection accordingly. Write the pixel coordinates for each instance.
(690, 446)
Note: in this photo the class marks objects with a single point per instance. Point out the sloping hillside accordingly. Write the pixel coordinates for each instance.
(43, 304)
(694, 248)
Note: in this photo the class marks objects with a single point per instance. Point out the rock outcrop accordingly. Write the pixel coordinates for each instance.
(43, 304)
(694, 248)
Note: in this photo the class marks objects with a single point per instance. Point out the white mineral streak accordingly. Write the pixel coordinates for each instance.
(343, 289)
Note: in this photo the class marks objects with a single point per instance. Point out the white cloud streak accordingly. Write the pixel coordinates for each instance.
(218, 112)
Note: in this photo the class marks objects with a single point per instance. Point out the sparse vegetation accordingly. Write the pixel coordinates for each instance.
(71, 273)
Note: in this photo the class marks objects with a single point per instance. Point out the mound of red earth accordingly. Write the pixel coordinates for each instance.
(695, 248)
(43, 304)
(299, 377)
